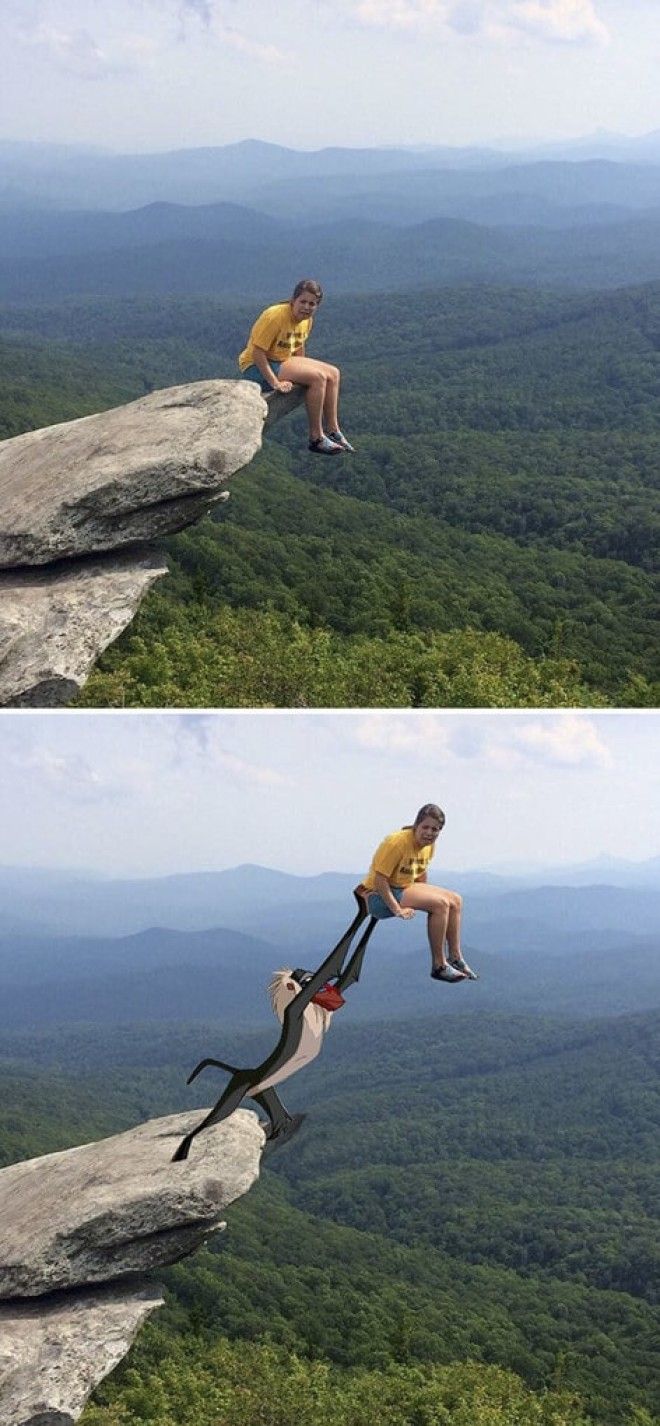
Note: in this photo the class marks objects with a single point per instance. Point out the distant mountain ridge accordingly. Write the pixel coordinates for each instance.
(164, 251)
(580, 950)
(43, 175)
(210, 221)
(68, 903)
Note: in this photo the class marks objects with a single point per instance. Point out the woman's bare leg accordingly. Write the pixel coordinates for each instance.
(443, 909)
(331, 404)
(322, 393)
(454, 926)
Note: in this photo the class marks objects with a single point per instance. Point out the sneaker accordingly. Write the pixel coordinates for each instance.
(447, 973)
(340, 440)
(325, 447)
(460, 964)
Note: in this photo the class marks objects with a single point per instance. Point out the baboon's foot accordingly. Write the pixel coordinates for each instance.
(183, 1149)
(282, 1135)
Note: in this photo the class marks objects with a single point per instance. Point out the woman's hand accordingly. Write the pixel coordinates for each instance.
(405, 912)
(284, 386)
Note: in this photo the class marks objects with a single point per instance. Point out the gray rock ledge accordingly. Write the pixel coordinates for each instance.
(119, 1206)
(72, 494)
(125, 475)
(54, 623)
(54, 1352)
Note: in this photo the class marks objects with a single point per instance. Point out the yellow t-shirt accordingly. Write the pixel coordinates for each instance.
(278, 334)
(399, 859)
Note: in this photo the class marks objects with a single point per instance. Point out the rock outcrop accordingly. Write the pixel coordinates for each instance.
(53, 1353)
(79, 501)
(77, 1230)
(55, 623)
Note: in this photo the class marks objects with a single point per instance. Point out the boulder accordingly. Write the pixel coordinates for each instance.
(125, 475)
(280, 405)
(54, 623)
(71, 494)
(119, 1206)
(54, 1352)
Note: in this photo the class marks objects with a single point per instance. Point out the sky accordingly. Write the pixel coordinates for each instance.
(154, 793)
(142, 75)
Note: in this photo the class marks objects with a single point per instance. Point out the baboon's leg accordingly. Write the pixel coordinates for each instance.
(270, 1101)
(233, 1095)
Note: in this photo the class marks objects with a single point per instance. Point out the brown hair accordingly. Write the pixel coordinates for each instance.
(307, 284)
(429, 810)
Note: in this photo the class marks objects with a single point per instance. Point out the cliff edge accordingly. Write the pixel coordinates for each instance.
(81, 503)
(78, 1231)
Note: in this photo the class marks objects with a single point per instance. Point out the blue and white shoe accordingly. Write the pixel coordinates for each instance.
(340, 440)
(447, 973)
(462, 966)
(323, 446)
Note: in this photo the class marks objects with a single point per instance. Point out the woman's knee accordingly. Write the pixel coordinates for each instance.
(440, 904)
(453, 899)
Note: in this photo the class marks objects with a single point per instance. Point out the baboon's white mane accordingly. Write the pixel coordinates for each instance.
(281, 996)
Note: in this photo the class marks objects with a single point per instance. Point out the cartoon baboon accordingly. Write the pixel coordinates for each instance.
(304, 1003)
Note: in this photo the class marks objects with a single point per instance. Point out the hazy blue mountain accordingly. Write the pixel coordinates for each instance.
(43, 175)
(72, 177)
(360, 256)
(409, 197)
(189, 901)
(44, 234)
(589, 979)
(158, 976)
(29, 960)
(641, 148)
(533, 918)
(277, 906)
(566, 950)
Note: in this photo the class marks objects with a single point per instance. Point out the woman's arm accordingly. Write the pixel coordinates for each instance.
(260, 357)
(384, 889)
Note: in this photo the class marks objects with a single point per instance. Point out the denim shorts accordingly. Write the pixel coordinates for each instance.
(379, 908)
(253, 374)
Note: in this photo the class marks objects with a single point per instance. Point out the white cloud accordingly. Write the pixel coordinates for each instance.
(202, 8)
(551, 21)
(74, 51)
(398, 14)
(72, 776)
(564, 740)
(254, 49)
(213, 15)
(44, 27)
(566, 21)
(415, 733)
(567, 741)
(466, 18)
(206, 739)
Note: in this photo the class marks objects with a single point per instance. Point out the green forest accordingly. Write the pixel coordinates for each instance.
(490, 543)
(464, 1230)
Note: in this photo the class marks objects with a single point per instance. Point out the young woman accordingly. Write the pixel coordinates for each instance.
(397, 885)
(275, 357)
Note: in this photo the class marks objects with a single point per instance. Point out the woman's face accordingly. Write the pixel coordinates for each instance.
(304, 306)
(427, 831)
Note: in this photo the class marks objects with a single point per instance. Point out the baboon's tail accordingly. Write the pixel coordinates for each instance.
(204, 1064)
